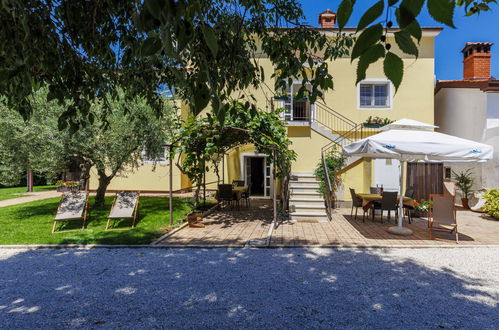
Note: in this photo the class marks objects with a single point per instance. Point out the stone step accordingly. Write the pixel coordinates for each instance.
(306, 208)
(309, 193)
(309, 206)
(303, 177)
(304, 189)
(299, 215)
(304, 201)
(304, 183)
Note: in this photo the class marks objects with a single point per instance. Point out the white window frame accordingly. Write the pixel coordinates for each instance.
(267, 162)
(162, 160)
(290, 100)
(376, 81)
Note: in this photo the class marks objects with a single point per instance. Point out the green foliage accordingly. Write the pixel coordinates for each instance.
(405, 43)
(203, 141)
(464, 182)
(115, 141)
(371, 14)
(442, 11)
(377, 121)
(344, 12)
(335, 161)
(393, 68)
(31, 223)
(110, 141)
(206, 50)
(406, 12)
(492, 202)
(36, 144)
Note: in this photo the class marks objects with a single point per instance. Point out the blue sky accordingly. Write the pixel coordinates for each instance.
(448, 45)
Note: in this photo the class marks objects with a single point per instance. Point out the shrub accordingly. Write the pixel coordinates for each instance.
(335, 161)
(492, 202)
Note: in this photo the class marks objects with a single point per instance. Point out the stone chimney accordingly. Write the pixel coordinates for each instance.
(327, 19)
(476, 63)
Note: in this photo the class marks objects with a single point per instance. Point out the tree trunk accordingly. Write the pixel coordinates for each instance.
(84, 175)
(197, 192)
(285, 194)
(29, 179)
(104, 181)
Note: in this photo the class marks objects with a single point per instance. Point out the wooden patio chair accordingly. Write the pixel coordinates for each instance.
(73, 206)
(125, 206)
(442, 215)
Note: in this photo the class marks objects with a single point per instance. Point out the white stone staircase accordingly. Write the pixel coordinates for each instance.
(305, 202)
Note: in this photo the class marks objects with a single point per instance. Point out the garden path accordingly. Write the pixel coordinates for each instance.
(30, 197)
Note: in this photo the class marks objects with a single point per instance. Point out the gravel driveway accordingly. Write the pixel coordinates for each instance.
(250, 288)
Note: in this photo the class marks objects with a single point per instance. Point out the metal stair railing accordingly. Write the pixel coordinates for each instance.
(347, 131)
(356, 133)
(332, 120)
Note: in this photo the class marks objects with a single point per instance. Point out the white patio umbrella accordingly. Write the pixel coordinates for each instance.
(410, 140)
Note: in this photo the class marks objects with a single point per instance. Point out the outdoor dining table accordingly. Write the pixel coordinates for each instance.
(238, 191)
(369, 199)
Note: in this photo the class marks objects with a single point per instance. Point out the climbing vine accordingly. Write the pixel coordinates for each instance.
(202, 141)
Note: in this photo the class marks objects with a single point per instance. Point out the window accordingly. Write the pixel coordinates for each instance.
(163, 159)
(447, 173)
(374, 95)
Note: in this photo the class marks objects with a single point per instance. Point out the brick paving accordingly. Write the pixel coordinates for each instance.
(228, 227)
(247, 226)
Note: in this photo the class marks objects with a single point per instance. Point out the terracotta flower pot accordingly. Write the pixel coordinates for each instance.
(464, 202)
(195, 219)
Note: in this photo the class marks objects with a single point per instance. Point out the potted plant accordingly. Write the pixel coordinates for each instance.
(464, 182)
(421, 208)
(282, 96)
(376, 122)
(63, 186)
(195, 216)
(304, 98)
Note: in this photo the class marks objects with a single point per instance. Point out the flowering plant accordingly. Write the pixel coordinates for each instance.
(68, 184)
(423, 205)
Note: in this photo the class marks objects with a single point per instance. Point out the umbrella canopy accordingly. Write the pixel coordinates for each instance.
(408, 124)
(414, 145)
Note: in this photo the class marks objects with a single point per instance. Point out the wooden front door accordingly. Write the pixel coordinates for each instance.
(425, 179)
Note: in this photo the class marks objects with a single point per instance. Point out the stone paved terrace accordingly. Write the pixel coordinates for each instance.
(250, 227)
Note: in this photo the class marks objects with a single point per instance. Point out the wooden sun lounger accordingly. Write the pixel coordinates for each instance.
(442, 213)
(125, 206)
(73, 206)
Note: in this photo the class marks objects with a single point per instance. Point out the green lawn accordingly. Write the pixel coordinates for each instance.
(9, 193)
(31, 223)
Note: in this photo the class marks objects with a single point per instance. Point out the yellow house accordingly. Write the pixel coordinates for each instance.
(312, 126)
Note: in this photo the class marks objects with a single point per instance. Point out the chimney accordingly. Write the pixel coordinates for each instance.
(327, 19)
(476, 63)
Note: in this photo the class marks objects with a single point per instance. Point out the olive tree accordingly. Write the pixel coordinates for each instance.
(109, 145)
(118, 143)
(35, 145)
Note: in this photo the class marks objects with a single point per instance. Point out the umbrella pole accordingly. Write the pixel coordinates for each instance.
(400, 229)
